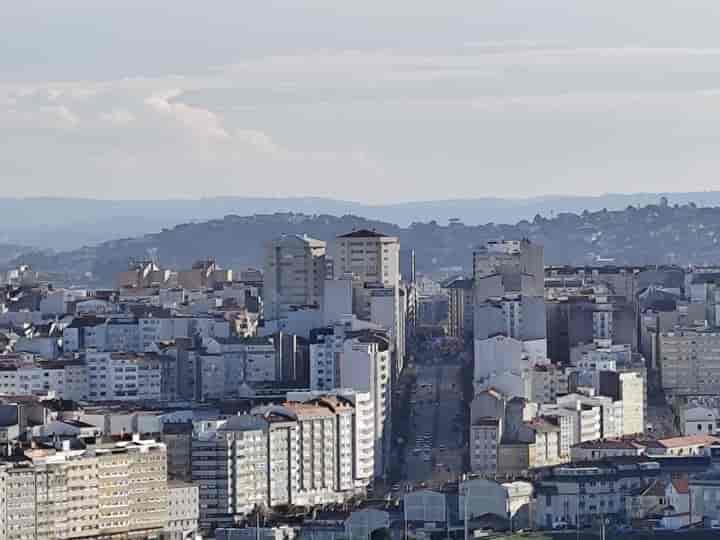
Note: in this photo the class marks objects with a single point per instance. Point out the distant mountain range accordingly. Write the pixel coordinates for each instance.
(653, 234)
(68, 223)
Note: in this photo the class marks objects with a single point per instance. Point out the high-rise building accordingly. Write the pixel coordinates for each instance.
(371, 260)
(301, 454)
(460, 307)
(111, 491)
(359, 360)
(512, 259)
(294, 274)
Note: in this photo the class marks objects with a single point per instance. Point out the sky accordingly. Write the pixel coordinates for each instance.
(371, 101)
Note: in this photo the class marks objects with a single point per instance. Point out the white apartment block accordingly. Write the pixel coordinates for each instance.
(293, 454)
(364, 428)
(28, 376)
(632, 393)
(123, 376)
(689, 362)
(183, 511)
(359, 360)
(294, 274)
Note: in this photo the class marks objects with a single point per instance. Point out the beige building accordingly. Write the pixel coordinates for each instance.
(203, 275)
(373, 259)
(294, 274)
(115, 491)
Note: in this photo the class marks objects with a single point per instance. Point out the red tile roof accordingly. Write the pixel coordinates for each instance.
(681, 485)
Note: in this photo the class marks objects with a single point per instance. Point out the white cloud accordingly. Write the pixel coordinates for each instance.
(496, 118)
(118, 117)
(200, 122)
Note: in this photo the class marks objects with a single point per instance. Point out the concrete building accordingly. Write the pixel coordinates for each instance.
(425, 506)
(177, 437)
(301, 454)
(511, 500)
(460, 307)
(124, 376)
(203, 275)
(698, 421)
(183, 511)
(230, 465)
(361, 524)
(485, 435)
(629, 389)
(605, 448)
(373, 260)
(704, 492)
(511, 258)
(363, 426)
(294, 274)
(115, 491)
(359, 360)
(581, 318)
(689, 361)
(582, 493)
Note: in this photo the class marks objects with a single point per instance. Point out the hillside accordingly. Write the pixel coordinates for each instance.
(653, 234)
(68, 223)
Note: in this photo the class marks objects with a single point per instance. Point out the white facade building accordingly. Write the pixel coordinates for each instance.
(359, 360)
(123, 376)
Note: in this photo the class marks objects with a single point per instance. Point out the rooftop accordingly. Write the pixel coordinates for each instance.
(362, 233)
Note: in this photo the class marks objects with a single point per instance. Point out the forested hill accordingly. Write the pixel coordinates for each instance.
(654, 234)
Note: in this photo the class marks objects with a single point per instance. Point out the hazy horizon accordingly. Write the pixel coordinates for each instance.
(369, 103)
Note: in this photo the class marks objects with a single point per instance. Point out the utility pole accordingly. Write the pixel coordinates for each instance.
(577, 515)
(465, 511)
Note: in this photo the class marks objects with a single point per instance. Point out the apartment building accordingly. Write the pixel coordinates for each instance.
(485, 434)
(510, 258)
(460, 307)
(116, 491)
(248, 359)
(582, 493)
(296, 453)
(294, 274)
(183, 511)
(359, 360)
(689, 361)
(124, 376)
(363, 426)
(372, 258)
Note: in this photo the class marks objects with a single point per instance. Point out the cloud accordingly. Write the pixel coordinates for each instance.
(200, 122)
(118, 117)
(495, 118)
